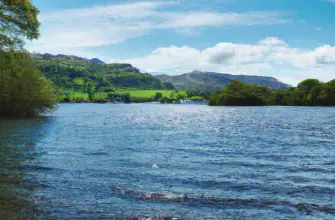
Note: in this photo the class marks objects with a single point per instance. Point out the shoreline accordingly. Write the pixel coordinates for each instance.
(196, 102)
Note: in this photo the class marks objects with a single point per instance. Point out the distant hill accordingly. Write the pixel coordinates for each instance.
(81, 74)
(211, 81)
(47, 56)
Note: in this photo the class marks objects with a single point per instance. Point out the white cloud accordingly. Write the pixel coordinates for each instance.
(269, 57)
(272, 41)
(114, 23)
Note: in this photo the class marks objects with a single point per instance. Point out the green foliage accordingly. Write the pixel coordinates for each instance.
(126, 98)
(137, 96)
(141, 99)
(173, 95)
(166, 100)
(79, 74)
(169, 85)
(237, 94)
(90, 91)
(18, 18)
(147, 93)
(24, 90)
(205, 94)
(192, 92)
(182, 95)
(135, 81)
(100, 97)
(310, 92)
(71, 96)
(158, 96)
(196, 98)
(307, 85)
(197, 92)
(111, 96)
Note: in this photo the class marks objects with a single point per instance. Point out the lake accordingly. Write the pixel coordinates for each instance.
(184, 161)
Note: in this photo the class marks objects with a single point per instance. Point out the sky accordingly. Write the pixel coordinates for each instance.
(290, 40)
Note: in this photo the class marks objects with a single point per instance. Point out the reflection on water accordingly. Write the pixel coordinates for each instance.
(187, 161)
(17, 159)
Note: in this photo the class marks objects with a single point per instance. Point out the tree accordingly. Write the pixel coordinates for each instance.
(169, 85)
(239, 94)
(306, 87)
(181, 95)
(196, 98)
(158, 96)
(165, 100)
(173, 95)
(192, 92)
(91, 91)
(308, 84)
(126, 98)
(18, 18)
(327, 94)
(78, 83)
(24, 90)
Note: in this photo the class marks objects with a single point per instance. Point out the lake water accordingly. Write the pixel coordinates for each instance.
(184, 161)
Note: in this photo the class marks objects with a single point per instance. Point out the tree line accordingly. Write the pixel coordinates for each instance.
(310, 92)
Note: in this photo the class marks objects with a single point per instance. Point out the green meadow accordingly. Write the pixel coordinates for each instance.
(135, 95)
(73, 94)
(147, 93)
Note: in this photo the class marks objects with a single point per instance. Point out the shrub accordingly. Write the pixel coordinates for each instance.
(100, 97)
(196, 98)
(24, 90)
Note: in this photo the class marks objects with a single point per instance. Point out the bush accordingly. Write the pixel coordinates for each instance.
(196, 98)
(100, 97)
(158, 96)
(126, 98)
(141, 99)
(166, 100)
(24, 90)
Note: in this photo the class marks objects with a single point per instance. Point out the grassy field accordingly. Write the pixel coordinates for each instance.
(135, 95)
(79, 95)
(147, 93)
(73, 95)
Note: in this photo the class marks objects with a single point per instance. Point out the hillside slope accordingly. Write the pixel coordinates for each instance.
(81, 74)
(211, 81)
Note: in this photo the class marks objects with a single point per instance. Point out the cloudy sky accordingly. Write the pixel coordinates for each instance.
(287, 39)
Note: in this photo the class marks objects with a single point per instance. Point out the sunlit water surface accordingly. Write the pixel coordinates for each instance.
(185, 161)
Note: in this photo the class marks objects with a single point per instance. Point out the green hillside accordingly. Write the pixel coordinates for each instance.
(87, 76)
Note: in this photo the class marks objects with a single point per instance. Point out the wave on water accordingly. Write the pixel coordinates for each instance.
(217, 202)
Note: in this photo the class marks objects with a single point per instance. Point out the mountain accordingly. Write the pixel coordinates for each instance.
(47, 56)
(211, 81)
(96, 61)
(81, 74)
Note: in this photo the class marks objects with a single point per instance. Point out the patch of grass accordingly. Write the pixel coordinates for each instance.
(100, 97)
(71, 95)
(147, 94)
(135, 95)
(79, 95)
(76, 94)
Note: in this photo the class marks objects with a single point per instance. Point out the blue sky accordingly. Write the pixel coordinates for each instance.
(288, 39)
